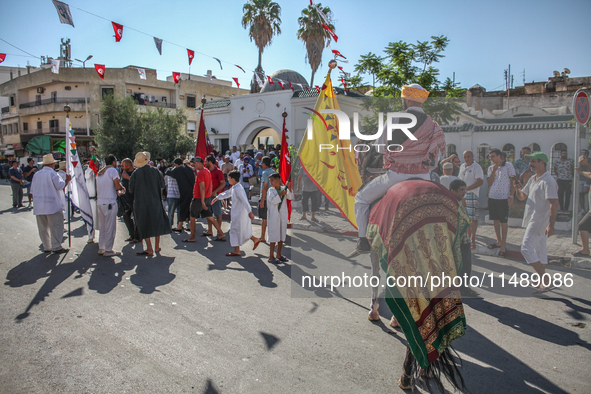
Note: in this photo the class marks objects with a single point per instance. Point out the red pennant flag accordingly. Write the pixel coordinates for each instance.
(323, 86)
(285, 165)
(307, 88)
(118, 31)
(240, 68)
(100, 69)
(93, 164)
(191, 55)
(334, 36)
(270, 80)
(341, 68)
(203, 147)
(344, 83)
(176, 77)
(236, 80)
(2, 57)
(337, 53)
(318, 88)
(291, 86)
(281, 84)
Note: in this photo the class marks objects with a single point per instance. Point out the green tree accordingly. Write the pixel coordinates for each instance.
(314, 35)
(124, 130)
(261, 18)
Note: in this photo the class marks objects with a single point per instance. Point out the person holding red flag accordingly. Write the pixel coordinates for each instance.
(285, 163)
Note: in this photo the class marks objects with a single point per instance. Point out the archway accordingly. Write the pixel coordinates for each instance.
(555, 155)
(252, 130)
(267, 137)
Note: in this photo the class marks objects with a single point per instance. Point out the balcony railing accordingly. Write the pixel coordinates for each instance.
(160, 104)
(62, 100)
(55, 130)
(5, 110)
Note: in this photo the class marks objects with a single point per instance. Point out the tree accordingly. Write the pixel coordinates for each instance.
(261, 18)
(124, 130)
(404, 64)
(314, 36)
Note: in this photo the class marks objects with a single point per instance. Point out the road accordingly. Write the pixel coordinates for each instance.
(194, 321)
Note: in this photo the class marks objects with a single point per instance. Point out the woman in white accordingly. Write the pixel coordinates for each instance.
(277, 216)
(241, 214)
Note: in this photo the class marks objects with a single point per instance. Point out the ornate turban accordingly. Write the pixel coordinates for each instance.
(415, 92)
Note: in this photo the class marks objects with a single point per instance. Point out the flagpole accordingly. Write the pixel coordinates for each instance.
(67, 110)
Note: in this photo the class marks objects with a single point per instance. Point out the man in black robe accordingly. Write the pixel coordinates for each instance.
(146, 185)
(185, 178)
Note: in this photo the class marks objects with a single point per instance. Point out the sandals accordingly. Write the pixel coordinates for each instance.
(503, 254)
(206, 235)
(404, 386)
(144, 253)
(283, 259)
(187, 240)
(256, 244)
(220, 239)
(579, 254)
(494, 245)
(232, 254)
(473, 245)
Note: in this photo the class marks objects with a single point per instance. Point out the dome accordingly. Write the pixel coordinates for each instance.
(286, 76)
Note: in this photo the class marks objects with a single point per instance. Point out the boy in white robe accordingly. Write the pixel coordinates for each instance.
(277, 216)
(241, 214)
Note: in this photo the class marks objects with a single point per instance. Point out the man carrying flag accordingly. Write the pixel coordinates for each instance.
(90, 179)
(203, 147)
(334, 172)
(285, 163)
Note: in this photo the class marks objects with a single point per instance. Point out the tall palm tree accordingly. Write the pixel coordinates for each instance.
(313, 35)
(261, 18)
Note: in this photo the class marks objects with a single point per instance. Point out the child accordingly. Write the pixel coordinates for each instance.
(277, 216)
(241, 227)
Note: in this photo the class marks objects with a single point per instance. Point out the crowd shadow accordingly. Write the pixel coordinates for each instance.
(152, 273)
(256, 265)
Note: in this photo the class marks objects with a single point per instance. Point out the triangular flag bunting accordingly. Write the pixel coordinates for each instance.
(219, 62)
(240, 68)
(191, 55)
(236, 80)
(63, 11)
(270, 80)
(158, 42)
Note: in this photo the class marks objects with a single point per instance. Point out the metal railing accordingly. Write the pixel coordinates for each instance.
(160, 104)
(58, 100)
(5, 110)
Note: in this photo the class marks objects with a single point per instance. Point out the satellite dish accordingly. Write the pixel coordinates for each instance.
(566, 70)
(556, 74)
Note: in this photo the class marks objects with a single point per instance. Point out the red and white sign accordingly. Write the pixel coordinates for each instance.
(100, 69)
(581, 107)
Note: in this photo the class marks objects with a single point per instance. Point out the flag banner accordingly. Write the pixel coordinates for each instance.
(344, 84)
(93, 164)
(118, 31)
(176, 77)
(63, 11)
(236, 80)
(158, 43)
(55, 66)
(191, 55)
(142, 72)
(334, 171)
(258, 80)
(2, 57)
(240, 68)
(291, 86)
(100, 69)
(281, 84)
(341, 68)
(318, 88)
(285, 165)
(219, 61)
(334, 36)
(203, 147)
(208, 76)
(78, 193)
(323, 16)
(270, 80)
(337, 53)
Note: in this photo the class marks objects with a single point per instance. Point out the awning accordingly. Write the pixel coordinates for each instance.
(40, 145)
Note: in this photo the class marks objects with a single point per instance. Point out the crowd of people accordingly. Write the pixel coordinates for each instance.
(147, 196)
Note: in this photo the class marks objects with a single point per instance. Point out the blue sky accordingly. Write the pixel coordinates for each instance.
(485, 37)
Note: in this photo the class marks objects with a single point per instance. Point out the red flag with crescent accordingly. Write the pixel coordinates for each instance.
(337, 53)
(270, 80)
(285, 165)
(2, 57)
(191, 55)
(176, 77)
(236, 80)
(100, 69)
(118, 31)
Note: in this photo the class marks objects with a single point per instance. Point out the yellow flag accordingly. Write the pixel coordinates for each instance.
(333, 170)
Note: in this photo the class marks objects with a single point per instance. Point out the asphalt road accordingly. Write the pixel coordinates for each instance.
(194, 321)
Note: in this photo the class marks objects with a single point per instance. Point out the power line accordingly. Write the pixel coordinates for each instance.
(22, 50)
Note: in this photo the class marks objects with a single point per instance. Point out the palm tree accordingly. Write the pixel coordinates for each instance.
(261, 18)
(314, 36)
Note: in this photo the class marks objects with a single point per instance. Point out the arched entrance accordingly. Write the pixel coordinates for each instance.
(267, 137)
(260, 128)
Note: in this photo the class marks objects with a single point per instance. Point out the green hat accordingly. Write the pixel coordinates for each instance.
(538, 155)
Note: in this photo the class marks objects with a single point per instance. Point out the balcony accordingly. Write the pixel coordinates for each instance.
(58, 100)
(159, 104)
(5, 110)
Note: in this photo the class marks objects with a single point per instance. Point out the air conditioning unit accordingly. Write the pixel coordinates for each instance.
(40, 90)
(68, 88)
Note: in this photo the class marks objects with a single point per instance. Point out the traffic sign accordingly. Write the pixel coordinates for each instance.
(581, 107)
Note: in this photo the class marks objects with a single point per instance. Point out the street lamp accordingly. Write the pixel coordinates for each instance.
(85, 94)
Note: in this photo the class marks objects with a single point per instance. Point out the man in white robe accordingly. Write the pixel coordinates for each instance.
(62, 174)
(277, 217)
(240, 214)
(90, 178)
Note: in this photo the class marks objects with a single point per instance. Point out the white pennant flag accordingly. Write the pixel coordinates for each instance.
(142, 72)
(260, 83)
(63, 11)
(55, 66)
(208, 76)
(78, 193)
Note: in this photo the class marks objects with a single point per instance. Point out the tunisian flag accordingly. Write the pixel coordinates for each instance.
(285, 165)
(100, 69)
(118, 31)
(203, 148)
(176, 77)
(191, 55)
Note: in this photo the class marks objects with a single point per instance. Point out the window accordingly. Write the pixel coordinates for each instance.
(191, 127)
(509, 149)
(107, 91)
(12, 101)
(534, 147)
(451, 149)
(483, 159)
(25, 126)
(191, 102)
(39, 126)
(15, 128)
(9, 129)
(4, 130)
(54, 126)
(53, 97)
(555, 155)
(38, 99)
(164, 99)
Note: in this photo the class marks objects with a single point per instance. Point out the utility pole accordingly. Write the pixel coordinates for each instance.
(509, 78)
